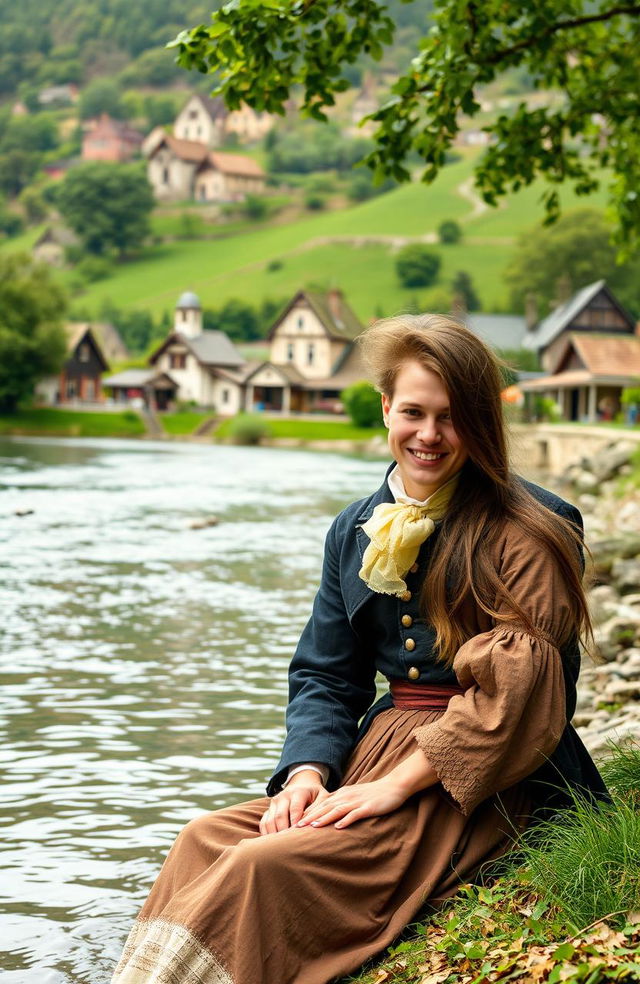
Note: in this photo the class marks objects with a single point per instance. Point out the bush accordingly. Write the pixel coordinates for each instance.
(463, 286)
(274, 265)
(248, 430)
(630, 395)
(417, 266)
(93, 268)
(255, 208)
(314, 202)
(362, 403)
(449, 231)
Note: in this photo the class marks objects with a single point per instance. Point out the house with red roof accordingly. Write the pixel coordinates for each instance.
(590, 348)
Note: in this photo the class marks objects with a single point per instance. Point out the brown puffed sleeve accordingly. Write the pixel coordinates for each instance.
(513, 713)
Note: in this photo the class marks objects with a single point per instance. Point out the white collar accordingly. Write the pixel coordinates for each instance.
(396, 485)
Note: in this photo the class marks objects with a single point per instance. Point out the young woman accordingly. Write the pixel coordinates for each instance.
(461, 584)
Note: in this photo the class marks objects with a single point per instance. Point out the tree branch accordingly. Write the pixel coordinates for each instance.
(632, 9)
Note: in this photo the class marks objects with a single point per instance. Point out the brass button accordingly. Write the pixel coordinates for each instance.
(405, 596)
(407, 621)
(413, 673)
(410, 644)
(413, 568)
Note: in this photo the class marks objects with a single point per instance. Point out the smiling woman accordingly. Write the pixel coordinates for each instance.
(461, 584)
(422, 438)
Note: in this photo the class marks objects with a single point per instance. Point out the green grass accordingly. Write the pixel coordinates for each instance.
(233, 260)
(183, 422)
(305, 430)
(72, 423)
(565, 906)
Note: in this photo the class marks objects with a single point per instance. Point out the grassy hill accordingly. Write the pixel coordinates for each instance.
(352, 248)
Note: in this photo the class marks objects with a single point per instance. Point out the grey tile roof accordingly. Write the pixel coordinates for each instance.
(560, 318)
(501, 331)
(214, 348)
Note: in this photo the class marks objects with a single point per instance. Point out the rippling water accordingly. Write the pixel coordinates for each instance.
(143, 665)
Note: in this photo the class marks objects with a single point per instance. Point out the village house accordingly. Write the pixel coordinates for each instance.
(181, 169)
(200, 363)
(51, 245)
(208, 121)
(589, 347)
(80, 379)
(312, 358)
(106, 139)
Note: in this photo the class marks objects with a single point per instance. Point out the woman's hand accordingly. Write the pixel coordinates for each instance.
(351, 803)
(371, 799)
(287, 807)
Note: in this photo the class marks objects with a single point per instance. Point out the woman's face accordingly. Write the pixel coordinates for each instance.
(421, 436)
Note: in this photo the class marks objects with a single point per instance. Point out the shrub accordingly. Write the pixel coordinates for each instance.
(274, 265)
(463, 286)
(630, 395)
(248, 429)
(362, 403)
(255, 208)
(449, 231)
(417, 266)
(93, 268)
(314, 202)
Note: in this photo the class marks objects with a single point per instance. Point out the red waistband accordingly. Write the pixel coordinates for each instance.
(409, 696)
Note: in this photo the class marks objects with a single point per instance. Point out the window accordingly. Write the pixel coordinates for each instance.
(165, 175)
(289, 351)
(225, 395)
(311, 353)
(183, 314)
(84, 352)
(193, 114)
(300, 323)
(177, 360)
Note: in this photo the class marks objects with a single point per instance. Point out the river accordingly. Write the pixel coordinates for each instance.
(143, 666)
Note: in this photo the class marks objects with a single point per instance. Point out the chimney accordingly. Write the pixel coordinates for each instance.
(563, 290)
(334, 298)
(531, 311)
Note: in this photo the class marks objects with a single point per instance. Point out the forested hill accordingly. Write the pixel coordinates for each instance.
(45, 42)
(49, 42)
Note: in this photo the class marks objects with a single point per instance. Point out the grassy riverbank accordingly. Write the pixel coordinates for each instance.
(567, 909)
(293, 429)
(50, 422)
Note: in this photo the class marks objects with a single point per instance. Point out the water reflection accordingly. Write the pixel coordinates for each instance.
(143, 663)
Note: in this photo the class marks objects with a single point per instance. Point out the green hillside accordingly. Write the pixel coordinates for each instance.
(332, 249)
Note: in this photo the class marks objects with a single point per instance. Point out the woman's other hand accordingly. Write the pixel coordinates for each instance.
(303, 790)
(371, 799)
(351, 803)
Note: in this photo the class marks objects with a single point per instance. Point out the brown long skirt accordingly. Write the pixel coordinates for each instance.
(308, 904)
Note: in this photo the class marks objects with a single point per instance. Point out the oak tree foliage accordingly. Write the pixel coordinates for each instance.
(32, 339)
(584, 51)
(107, 206)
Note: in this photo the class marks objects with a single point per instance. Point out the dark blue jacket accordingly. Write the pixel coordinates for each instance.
(332, 674)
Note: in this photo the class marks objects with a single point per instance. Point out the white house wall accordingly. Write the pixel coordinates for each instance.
(301, 328)
(195, 384)
(165, 165)
(194, 123)
(227, 397)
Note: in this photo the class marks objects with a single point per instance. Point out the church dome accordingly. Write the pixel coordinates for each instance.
(189, 300)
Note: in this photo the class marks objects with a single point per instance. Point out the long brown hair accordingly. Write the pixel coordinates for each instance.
(488, 494)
